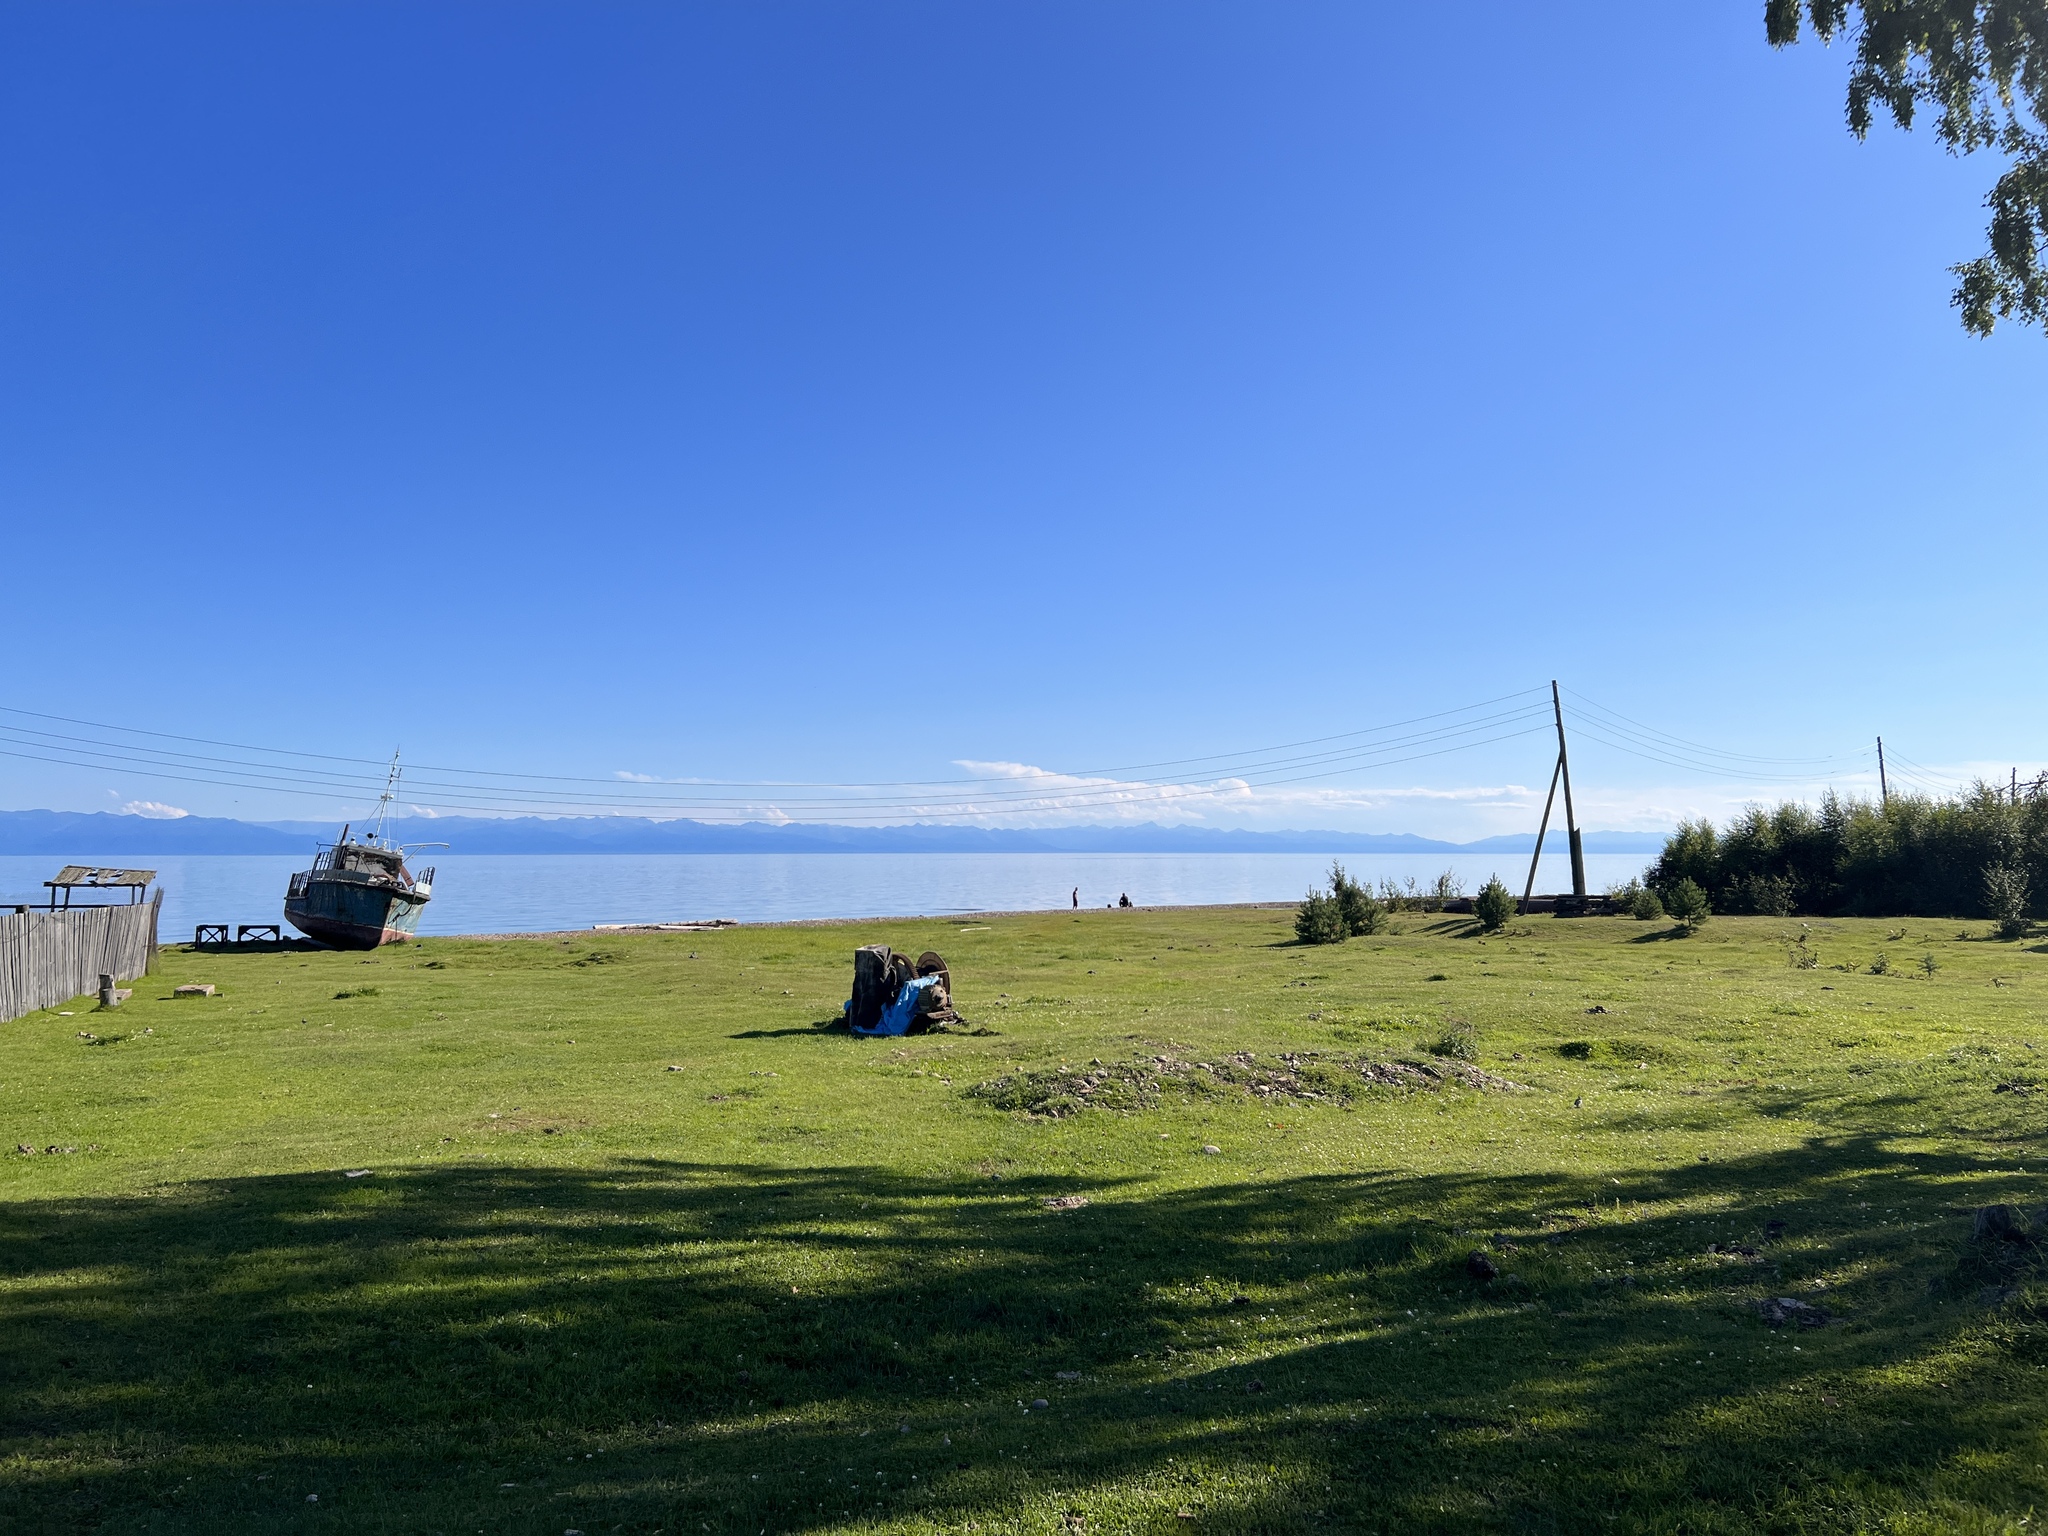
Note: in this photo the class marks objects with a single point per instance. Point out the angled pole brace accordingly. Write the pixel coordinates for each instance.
(1543, 827)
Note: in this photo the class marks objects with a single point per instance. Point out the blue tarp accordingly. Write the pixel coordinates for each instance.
(896, 1016)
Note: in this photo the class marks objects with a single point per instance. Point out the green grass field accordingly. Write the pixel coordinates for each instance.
(642, 1247)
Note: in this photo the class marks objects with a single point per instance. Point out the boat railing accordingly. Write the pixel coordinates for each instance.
(298, 886)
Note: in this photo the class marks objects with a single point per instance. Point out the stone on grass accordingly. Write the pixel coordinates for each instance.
(1779, 1310)
(1999, 1223)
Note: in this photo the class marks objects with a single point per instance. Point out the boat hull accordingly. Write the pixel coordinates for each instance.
(352, 915)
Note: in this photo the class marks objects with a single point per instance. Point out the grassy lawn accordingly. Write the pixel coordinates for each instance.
(641, 1246)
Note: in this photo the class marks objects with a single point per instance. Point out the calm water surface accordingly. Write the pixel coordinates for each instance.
(515, 893)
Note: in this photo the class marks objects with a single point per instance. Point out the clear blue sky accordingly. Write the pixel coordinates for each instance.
(847, 392)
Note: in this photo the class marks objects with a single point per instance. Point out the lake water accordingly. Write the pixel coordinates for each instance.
(524, 893)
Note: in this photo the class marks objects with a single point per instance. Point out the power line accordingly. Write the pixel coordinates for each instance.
(1073, 790)
(376, 764)
(1651, 735)
(848, 811)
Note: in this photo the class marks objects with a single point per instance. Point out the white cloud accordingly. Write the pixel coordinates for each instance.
(155, 810)
(1064, 798)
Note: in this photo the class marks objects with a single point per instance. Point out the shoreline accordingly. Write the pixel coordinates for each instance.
(679, 929)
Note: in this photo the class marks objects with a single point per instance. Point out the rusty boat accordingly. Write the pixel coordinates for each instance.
(360, 893)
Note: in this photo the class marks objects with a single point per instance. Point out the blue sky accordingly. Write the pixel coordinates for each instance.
(848, 393)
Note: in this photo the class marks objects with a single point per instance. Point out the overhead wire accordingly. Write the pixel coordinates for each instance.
(1930, 780)
(842, 811)
(326, 775)
(1649, 735)
(271, 776)
(1024, 790)
(377, 766)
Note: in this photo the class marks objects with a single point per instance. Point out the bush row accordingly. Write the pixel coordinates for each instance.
(1980, 854)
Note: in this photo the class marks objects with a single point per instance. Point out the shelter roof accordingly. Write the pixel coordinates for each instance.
(92, 877)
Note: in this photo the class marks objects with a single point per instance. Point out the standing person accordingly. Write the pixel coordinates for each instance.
(1077, 898)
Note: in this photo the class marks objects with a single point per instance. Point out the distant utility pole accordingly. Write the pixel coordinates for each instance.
(1571, 822)
(2015, 785)
(1562, 771)
(1884, 789)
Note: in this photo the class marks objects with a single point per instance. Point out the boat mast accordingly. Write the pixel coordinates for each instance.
(384, 800)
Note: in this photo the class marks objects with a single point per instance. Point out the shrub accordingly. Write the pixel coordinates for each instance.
(1320, 920)
(1930, 965)
(1686, 902)
(1363, 912)
(1636, 900)
(1882, 965)
(2005, 899)
(1908, 856)
(1493, 906)
(1459, 1041)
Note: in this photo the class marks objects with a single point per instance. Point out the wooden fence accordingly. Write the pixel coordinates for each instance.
(48, 958)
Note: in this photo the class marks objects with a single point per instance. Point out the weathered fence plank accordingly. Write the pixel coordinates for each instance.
(48, 958)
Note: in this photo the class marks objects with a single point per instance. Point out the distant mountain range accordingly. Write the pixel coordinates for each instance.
(95, 834)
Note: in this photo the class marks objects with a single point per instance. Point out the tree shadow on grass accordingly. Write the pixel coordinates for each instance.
(664, 1345)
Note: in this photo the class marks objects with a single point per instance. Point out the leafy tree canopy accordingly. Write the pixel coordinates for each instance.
(1982, 65)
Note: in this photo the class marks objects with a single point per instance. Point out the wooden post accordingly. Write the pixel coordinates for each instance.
(1571, 821)
(1541, 828)
(1884, 789)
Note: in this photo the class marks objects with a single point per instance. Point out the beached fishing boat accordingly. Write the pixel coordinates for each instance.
(359, 893)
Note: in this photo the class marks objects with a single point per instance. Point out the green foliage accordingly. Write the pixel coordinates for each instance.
(1982, 65)
(1347, 908)
(1912, 856)
(1459, 1041)
(1494, 905)
(1882, 965)
(1363, 912)
(1688, 904)
(1320, 920)
(2005, 899)
(1636, 900)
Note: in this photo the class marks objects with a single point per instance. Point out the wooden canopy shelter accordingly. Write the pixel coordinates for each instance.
(83, 877)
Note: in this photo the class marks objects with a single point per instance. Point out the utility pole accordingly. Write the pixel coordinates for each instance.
(1571, 822)
(1884, 789)
(2015, 785)
(1561, 773)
